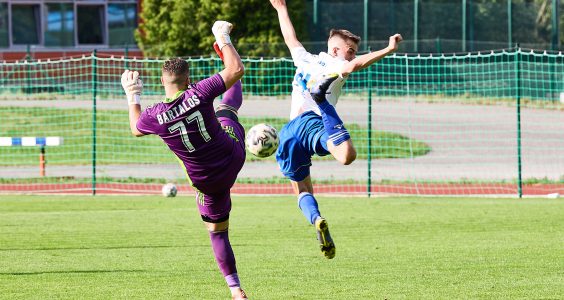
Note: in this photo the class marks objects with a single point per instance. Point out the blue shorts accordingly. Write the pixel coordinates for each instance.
(300, 139)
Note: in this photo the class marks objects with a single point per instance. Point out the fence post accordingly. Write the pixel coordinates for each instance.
(470, 25)
(42, 161)
(464, 25)
(415, 25)
(555, 34)
(365, 25)
(369, 157)
(28, 77)
(518, 96)
(315, 12)
(509, 25)
(94, 92)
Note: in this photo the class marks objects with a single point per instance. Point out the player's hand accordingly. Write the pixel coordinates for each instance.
(278, 3)
(394, 42)
(221, 31)
(132, 85)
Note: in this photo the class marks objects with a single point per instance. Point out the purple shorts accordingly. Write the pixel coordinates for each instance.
(214, 196)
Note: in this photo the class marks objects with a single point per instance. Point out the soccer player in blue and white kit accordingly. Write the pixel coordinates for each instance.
(210, 145)
(315, 126)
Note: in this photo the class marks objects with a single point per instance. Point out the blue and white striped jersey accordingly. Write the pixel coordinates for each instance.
(310, 66)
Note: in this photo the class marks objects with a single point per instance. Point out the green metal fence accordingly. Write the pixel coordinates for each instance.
(475, 123)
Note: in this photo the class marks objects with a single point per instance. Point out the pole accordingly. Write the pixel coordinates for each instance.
(315, 12)
(463, 25)
(42, 161)
(369, 158)
(316, 30)
(555, 4)
(365, 25)
(94, 92)
(509, 24)
(28, 75)
(518, 92)
(415, 25)
(471, 25)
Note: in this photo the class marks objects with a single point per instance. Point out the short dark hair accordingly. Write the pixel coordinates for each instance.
(178, 68)
(344, 34)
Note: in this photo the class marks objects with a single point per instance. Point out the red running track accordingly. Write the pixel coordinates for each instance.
(285, 189)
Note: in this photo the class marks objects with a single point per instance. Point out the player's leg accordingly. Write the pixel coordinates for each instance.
(309, 207)
(339, 142)
(224, 256)
(232, 98)
(306, 201)
(215, 214)
(294, 159)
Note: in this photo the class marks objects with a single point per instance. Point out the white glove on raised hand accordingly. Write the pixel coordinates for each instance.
(132, 85)
(221, 30)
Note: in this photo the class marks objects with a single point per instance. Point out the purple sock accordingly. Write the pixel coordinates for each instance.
(233, 96)
(224, 256)
(233, 280)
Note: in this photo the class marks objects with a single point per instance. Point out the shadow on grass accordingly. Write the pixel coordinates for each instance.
(72, 272)
(100, 248)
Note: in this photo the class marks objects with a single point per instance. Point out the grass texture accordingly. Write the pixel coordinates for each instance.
(111, 247)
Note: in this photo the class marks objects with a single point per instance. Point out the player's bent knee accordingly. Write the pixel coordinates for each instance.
(350, 156)
(347, 158)
(344, 153)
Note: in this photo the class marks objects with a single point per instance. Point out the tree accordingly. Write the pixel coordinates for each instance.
(171, 28)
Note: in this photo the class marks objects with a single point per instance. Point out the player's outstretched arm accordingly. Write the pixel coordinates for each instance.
(366, 60)
(133, 86)
(234, 68)
(286, 24)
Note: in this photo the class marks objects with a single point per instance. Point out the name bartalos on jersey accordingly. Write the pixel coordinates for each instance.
(177, 110)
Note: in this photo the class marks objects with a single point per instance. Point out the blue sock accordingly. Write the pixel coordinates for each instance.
(336, 131)
(308, 205)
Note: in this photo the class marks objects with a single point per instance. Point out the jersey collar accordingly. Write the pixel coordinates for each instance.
(168, 100)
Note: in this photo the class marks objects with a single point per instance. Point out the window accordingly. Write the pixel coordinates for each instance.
(122, 21)
(68, 23)
(4, 41)
(25, 24)
(90, 20)
(59, 29)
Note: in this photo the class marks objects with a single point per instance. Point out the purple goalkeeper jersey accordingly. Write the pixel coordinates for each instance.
(188, 125)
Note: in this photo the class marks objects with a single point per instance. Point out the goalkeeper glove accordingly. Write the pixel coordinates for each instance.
(132, 85)
(221, 30)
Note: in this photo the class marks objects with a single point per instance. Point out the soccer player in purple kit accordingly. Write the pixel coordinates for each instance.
(209, 144)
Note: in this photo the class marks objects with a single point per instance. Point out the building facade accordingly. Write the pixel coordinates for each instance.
(48, 28)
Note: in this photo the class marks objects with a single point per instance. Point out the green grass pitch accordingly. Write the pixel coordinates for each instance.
(110, 247)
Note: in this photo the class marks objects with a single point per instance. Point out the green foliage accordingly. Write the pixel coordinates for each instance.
(183, 28)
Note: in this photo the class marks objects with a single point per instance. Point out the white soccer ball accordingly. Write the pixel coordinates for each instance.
(262, 140)
(169, 190)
